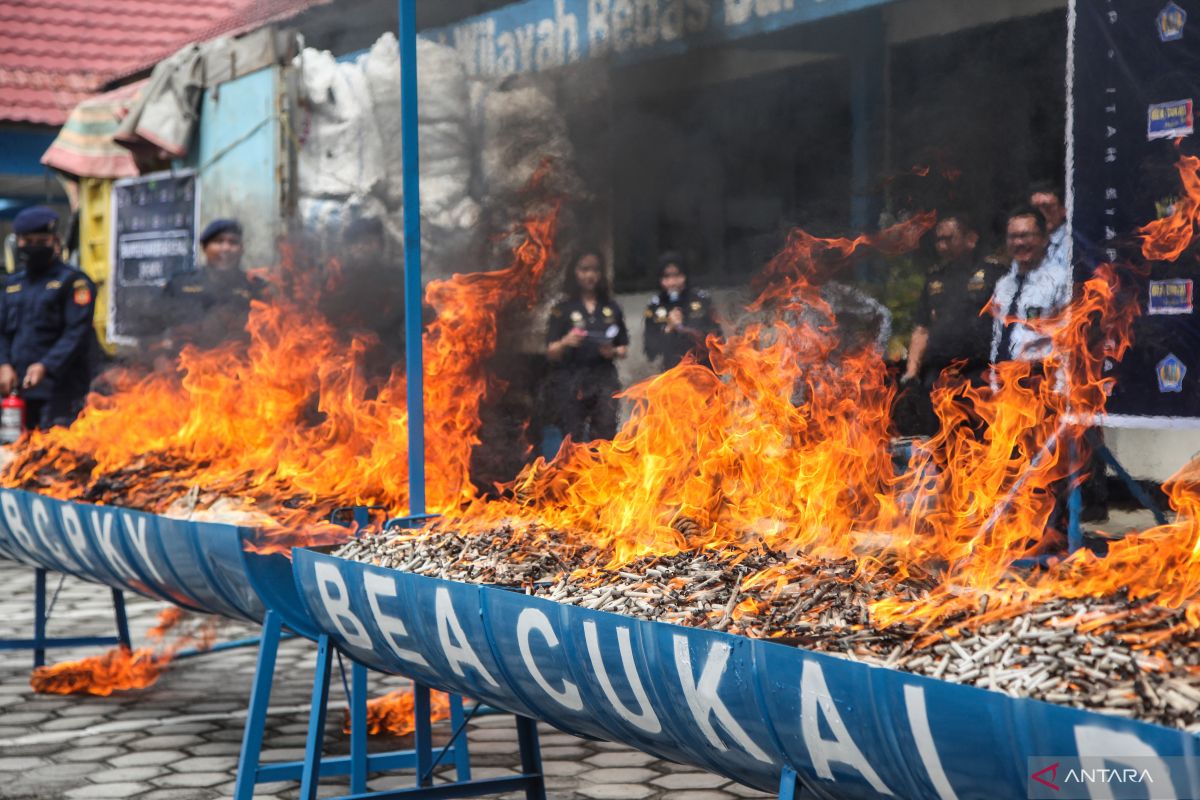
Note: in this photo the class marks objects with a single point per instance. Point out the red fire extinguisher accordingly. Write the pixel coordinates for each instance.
(12, 418)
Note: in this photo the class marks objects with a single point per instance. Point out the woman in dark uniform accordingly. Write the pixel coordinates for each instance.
(586, 335)
(678, 318)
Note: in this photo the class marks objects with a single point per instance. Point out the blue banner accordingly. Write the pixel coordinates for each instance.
(740, 707)
(539, 35)
(1136, 74)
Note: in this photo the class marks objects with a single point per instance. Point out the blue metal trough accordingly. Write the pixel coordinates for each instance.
(199, 566)
(752, 710)
(205, 567)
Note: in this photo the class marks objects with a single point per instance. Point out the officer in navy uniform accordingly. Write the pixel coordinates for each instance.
(953, 330)
(48, 348)
(585, 336)
(678, 318)
(209, 305)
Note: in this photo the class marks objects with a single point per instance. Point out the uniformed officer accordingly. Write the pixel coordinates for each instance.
(1037, 286)
(678, 318)
(48, 347)
(585, 336)
(209, 305)
(953, 328)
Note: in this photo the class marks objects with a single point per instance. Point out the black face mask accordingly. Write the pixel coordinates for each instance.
(34, 258)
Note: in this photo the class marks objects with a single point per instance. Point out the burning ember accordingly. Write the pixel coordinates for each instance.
(122, 669)
(392, 714)
(757, 497)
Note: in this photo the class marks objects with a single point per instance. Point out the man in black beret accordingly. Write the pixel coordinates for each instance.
(47, 344)
(209, 305)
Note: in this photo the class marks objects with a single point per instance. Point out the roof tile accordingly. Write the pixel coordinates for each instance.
(56, 52)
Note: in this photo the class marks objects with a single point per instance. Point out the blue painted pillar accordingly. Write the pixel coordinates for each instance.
(412, 258)
(868, 112)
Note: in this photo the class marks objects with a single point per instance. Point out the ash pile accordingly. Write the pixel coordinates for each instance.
(1108, 655)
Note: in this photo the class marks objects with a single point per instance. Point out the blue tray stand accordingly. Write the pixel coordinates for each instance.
(41, 615)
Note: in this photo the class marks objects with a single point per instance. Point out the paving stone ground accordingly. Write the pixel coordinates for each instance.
(179, 739)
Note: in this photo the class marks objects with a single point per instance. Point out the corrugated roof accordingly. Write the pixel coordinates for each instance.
(54, 53)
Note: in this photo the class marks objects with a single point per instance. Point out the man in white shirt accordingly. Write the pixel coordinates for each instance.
(1047, 198)
(1036, 287)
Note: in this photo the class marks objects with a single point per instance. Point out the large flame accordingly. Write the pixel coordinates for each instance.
(289, 423)
(784, 444)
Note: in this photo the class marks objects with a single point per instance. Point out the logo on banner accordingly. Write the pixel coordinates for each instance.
(1170, 120)
(1170, 22)
(1172, 296)
(1170, 374)
(1047, 775)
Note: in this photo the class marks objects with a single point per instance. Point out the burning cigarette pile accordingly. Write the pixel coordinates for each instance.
(1109, 656)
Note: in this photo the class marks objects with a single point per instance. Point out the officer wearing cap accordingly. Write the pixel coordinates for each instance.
(208, 305)
(47, 343)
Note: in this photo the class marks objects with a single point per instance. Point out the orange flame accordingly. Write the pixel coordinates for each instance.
(118, 670)
(122, 669)
(393, 713)
(288, 423)
(1166, 239)
(783, 444)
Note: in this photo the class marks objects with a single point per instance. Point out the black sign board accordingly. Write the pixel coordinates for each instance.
(154, 238)
(1136, 74)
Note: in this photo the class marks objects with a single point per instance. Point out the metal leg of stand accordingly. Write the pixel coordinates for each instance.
(39, 618)
(531, 758)
(122, 621)
(311, 772)
(1131, 483)
(358, 728)
(462, 755)
(1074, 500)
(422, 735)
(789, 785)
(256, 719)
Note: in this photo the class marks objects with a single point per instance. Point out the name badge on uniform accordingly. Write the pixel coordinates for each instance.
(1172, 296)
(1170, 374)
(16, 287)
(54, 285)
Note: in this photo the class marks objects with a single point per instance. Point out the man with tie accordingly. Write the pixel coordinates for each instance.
(1036, 287)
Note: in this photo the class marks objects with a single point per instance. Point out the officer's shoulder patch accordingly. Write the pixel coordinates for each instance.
(82, 292)
(54, 285)
(13, 288)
